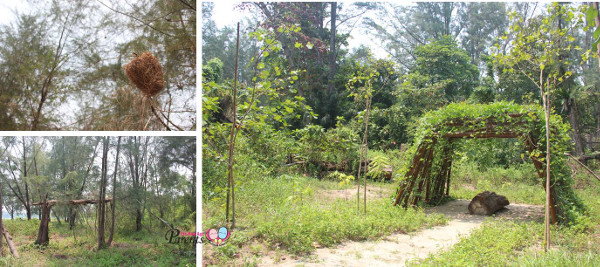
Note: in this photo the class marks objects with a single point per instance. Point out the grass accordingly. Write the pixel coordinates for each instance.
(292, 214)
(504, 243)
(520, 184)
(295, 214)
(494, 244)
(129, 248)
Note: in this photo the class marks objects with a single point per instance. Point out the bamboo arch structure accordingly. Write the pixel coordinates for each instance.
(427, 179)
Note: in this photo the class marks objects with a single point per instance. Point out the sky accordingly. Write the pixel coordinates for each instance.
(183, 99)
(7, 8)
(225, 14)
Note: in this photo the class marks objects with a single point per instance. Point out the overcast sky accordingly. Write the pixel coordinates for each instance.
(7, 7)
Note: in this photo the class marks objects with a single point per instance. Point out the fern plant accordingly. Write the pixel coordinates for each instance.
(377, 167)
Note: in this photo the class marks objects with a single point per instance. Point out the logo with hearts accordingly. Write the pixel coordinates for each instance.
(217, 237)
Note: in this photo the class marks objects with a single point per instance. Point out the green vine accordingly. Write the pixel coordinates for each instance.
(504, 119)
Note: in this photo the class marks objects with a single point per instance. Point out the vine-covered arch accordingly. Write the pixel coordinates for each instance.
(427, 179)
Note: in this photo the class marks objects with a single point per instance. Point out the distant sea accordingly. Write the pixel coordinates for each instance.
(6, 215)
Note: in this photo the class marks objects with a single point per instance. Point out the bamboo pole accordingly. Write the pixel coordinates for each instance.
(425, 171)
(410, 175)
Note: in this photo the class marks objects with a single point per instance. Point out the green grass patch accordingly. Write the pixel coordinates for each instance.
(129, 248)
(297, 213)
(496, 243)
(504, 243)
(559, 258)
(518, 183)
(299, 227)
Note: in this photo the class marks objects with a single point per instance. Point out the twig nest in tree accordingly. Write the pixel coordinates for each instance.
(146, 74)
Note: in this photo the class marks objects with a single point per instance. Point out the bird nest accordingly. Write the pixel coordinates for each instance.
(146, 74)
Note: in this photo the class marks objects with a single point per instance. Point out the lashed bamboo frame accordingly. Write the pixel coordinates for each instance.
(420, 169)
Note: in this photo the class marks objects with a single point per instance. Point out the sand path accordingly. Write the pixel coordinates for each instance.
(398, 249)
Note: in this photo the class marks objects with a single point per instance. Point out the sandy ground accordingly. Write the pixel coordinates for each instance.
(397, 249)
(347, 194)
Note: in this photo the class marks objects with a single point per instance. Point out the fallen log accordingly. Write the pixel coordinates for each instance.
(10, 243)
(486, 203)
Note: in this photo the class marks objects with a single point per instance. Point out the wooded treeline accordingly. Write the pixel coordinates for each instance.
(61, 64)
(129, 182)
(440, 53)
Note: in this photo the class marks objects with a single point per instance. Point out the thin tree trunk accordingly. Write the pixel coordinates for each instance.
(597, 19)
(577, 138)
(134, 168)
(546, 103)
(362, 157)
(26, 204)
(57, 218)
(366, 144)
(332, 51)
(72, 217)
(230, 180)
(138, 220)
(102, 195)
(193, 187)
(1, 213)
(114, 195)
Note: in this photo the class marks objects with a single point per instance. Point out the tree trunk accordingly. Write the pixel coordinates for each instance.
(10, 243)
(1, 213)
(366, 144)
(138, 220)
(230, 180)
(114, 195)
(332, 51)
(102, 195)
(597, 19)
(573, 120)
(486, 203)
(57, 218)
(193, 200)
(26, 204)
(72, 217)
(42, 238)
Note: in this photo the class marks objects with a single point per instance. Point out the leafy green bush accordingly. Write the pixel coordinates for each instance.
(316, 146)
(377, 166)
(341, 177)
